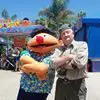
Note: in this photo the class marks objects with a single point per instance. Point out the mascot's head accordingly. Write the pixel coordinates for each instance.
(43, 40)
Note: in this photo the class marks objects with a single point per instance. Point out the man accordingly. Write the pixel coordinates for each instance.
(70, 62)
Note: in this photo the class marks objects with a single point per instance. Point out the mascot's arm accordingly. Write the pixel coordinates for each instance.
(36, 67)
(31, 65)
(27, 60)
(39, 69)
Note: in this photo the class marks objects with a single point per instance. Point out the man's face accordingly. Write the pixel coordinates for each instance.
(67, 36)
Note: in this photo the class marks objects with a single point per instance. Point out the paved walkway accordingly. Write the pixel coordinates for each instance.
(9, 85)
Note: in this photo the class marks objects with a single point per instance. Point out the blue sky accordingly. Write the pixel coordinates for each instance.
(30, 8)
(91, 7)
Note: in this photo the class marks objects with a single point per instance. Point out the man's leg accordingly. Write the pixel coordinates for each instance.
(60, 90)
(77, 90)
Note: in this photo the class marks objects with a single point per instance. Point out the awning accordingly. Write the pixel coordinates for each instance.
(18, 30)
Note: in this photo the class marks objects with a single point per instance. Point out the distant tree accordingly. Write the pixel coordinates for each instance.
(14, 17)
(37, 21)
(81, 14)
(41, 21)
(6, 15)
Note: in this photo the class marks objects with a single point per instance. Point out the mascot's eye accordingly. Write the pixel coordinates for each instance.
(44, 35)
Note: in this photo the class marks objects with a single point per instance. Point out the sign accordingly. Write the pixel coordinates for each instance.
(19, 41)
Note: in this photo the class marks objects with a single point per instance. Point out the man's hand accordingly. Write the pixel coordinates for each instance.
(69, 57)
(58, 62)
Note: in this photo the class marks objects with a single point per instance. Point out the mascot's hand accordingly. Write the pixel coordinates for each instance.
(27, 60)
(41, 76)
(25, 70)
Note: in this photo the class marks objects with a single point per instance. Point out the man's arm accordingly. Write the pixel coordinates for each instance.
(71, 61)
(60, 60)
(80, 59)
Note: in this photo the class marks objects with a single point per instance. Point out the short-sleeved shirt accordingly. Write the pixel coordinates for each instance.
(30, 82)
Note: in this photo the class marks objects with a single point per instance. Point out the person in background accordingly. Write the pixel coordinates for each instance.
(3, 61)
(70, 61)
(17, 59)
(10, 52)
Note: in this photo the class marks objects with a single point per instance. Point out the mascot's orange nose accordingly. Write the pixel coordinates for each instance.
(39, 39)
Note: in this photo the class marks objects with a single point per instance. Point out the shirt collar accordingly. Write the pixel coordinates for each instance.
(72, 45)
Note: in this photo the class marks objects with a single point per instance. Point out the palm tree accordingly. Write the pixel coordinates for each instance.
(81, 14)
(57, 14)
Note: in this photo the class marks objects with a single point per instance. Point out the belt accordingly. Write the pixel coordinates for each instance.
(67, 81)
